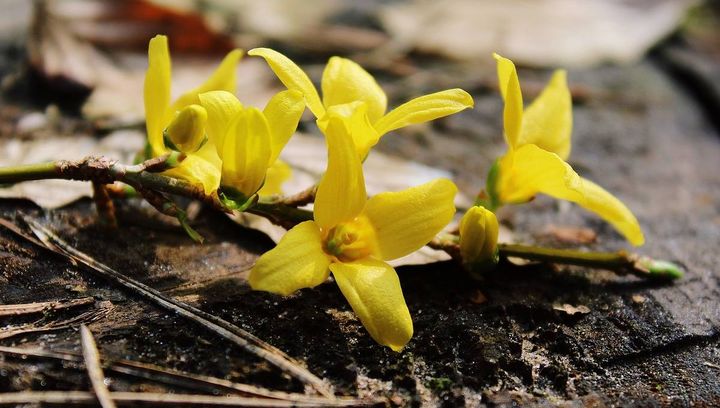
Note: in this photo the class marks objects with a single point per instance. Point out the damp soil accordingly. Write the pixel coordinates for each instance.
(500, 341)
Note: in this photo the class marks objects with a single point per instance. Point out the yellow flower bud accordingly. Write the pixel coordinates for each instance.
(478, 239)
(187, 130)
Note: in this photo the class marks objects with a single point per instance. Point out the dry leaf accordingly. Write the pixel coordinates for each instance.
(639, 298)
(478, 298)
(101, 45)
(120, 145)
(290, 22)
(537, 33)
(571, 235)
(572, 310)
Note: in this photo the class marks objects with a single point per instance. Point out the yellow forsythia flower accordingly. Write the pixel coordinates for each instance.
(249, 141)
(352, 237)
(478, 232)
(344, 82)
(538, 142)
(200, 166)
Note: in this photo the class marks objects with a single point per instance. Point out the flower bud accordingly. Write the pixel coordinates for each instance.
(187, 131)
(478, 239)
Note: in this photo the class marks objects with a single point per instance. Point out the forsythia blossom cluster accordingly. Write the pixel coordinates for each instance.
(233, 150)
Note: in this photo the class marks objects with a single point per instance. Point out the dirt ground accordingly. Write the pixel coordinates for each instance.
(639, 131)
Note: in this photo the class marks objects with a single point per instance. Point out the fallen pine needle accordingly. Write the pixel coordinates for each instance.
(94, 369)
(194, 382)
(223, 328)
(72, 398)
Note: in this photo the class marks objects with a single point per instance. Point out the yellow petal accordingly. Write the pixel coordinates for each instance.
(530, 170)
(547, 122)
(297, 262)
(200, 168)
(223, 79)
(478, 235)
(612, 210)
(157, 92)
(278, 173)
(404, 221)
(292, 77)
(187, 130)
(510, 90)
(283, 113)
(425, 108)
(246, 152)
(355, 116)
(341, 193)
(373, 290)
(222, 107)
(345, 81)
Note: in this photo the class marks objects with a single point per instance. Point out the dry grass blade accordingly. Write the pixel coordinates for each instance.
(94, 369)
(221, 327)
(35, 327)
(19, 232)
(177, 378)
(73, 398)
(37, 307)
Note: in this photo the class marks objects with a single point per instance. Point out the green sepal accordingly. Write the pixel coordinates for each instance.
(661, 270)
(478, 269)
(235, 200)
(173, 160)
(168, 143)
(488, 198)
(184, 222)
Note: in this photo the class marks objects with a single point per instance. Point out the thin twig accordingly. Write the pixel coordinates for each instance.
(72, 398)
(90, 316)
(94, 369)
(221, 327)
(194, 382)
(37, 307)
(19, 232)
(300, 199)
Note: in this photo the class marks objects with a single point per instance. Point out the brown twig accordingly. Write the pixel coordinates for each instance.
(37, 307)
(94, 369)
(300, 199)
(90, 316)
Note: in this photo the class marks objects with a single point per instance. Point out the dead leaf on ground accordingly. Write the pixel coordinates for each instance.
(537, 33)
(291, 22)
(102, 45)
(570, 235)
(121, 145)
(572, 310)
